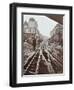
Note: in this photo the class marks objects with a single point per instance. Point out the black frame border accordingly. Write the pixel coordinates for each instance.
(13, 44)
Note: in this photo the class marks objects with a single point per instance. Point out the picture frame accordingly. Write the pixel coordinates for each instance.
(37, 58)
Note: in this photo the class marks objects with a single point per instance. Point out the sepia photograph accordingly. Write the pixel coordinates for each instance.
(42, 44)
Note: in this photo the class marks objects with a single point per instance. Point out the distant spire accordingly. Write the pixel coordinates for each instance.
(25, 23)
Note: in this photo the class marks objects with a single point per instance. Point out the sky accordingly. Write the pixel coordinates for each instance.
(45, 24)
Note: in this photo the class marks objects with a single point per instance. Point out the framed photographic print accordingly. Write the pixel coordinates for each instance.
(40, 44)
